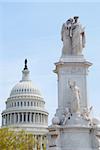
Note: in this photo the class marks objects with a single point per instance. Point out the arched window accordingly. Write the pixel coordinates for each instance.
(21, 103)
(28, 103)
(17, 103)
(24, 103)
(31, 103)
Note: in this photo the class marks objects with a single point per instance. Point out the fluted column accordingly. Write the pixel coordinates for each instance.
(26, 117)
(10, 118)
(30, 118)
(14, 118)
(4, 119)
(7, 119)
(37, 118)
(18, 117)
(41, 118)
(44, 119)
(22, 117)
(34, 117)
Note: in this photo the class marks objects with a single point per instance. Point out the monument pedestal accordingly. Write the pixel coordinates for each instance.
(70, 138)
(71, 68)
(73, 130)
(76, 137)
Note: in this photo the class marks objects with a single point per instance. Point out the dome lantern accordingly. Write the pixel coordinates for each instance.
(25, 72)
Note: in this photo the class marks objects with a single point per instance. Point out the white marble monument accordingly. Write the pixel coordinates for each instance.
(73, 127)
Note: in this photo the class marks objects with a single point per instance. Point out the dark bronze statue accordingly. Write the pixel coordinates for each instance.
(25, 64)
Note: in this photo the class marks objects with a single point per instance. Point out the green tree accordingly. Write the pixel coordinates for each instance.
(15, 140)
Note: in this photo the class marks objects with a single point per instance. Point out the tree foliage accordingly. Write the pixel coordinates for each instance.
(15, 140)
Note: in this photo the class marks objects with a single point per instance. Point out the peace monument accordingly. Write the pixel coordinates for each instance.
(73, 126)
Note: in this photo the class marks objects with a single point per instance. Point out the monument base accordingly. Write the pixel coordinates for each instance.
(73, 138)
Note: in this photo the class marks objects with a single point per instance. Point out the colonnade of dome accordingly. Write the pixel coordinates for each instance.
(24, 117)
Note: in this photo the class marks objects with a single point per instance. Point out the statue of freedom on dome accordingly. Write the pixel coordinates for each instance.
(73, 37)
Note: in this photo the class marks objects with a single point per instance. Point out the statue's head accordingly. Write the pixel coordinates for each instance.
(76, 18)
(71, 83)
(70, 20)
(66, 110)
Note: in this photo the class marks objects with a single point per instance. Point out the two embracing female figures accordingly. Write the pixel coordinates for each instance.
(73, 37)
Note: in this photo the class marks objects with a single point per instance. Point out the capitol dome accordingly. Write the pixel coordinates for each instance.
(25, 107)
(23, 88)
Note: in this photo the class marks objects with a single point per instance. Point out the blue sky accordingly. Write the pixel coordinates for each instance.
(32, 31)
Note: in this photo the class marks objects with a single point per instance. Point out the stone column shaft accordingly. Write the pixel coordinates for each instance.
(37, 118)
(34, 117)
(41, 118)
(14, 118)
(22, 117)
(18, 117)
(26, 116)
(10, 118)
(6, 119)
(30, 118)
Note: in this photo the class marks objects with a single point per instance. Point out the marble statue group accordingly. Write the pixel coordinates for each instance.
(73, 37)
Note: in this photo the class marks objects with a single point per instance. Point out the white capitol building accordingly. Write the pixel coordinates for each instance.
(25, 108)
